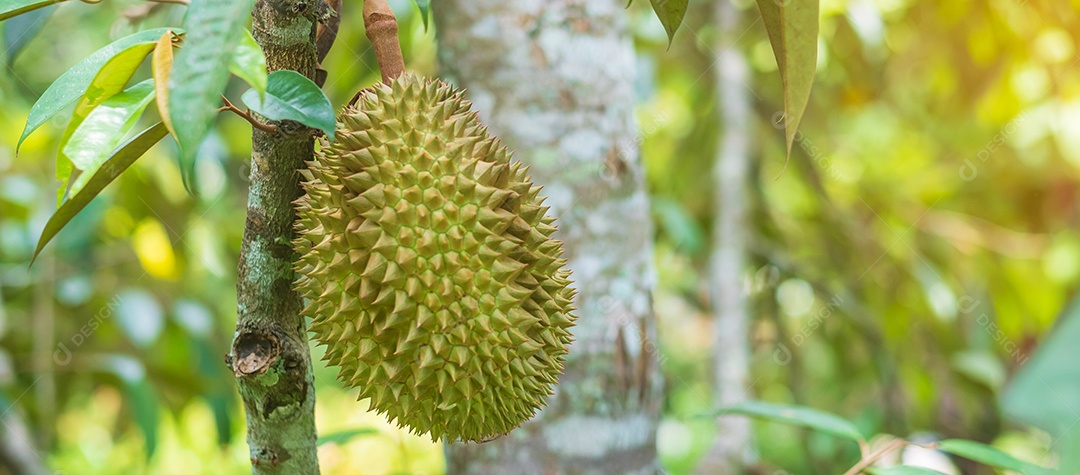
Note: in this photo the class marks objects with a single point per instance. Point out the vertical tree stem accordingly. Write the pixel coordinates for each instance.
(270, 355)
(382, 29)
(731, 450)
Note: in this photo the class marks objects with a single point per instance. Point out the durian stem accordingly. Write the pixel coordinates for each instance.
(382, 29)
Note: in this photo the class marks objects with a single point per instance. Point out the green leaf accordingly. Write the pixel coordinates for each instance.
(795, 415)
(71, 85)
(988, 455)
(11, 8)
(20, 30)
(291, 96)
(249, 63)
(218, 393)
(792, 26)
(980, 366)
(108, 82)
(103, 129)
(685, 233)
(344, 436)
(671, 14)
(1046, 391)
(425, 10)
(201, 71)
(144, 408)
(113, 166)
(904, 470)
(138, 392)
(221, 405)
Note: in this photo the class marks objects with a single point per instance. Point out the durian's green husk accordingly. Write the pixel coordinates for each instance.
(427, 256)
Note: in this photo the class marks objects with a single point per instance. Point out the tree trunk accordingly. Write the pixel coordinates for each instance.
(554, 80)
(730, 452)
(270, 354)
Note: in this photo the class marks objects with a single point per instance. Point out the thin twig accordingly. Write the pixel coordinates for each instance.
(870, 459)
(246, 115)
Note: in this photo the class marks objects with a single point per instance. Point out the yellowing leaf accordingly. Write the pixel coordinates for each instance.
(162, 66)
(792, 26)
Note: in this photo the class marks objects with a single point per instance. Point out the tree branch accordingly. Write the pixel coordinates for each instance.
(327, 31)
(246, 115)
(329, 15)
(270, 355)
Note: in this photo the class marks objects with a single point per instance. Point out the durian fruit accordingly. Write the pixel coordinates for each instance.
(427, 256)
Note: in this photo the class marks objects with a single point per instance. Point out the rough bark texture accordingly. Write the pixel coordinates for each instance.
(270, 355)
(731, 450)
(554, 79)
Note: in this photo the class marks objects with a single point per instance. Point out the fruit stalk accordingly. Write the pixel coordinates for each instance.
(381, 27)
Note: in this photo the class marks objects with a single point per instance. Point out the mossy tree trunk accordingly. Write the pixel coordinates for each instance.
(554, 80)
(270, 354)
(731, 451)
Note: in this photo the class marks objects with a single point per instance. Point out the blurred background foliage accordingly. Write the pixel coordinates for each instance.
(905, 262)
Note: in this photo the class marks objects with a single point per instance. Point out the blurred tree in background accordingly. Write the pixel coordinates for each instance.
(899, 270)
(574, 126)
(732, 448)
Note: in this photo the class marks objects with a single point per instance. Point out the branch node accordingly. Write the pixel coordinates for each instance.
(254, 352)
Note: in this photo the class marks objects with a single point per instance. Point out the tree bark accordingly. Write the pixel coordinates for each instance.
(554, 80)
(270, 354)
(731, 450)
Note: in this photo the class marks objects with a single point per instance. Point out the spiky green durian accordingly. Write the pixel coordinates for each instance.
(427, 256)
